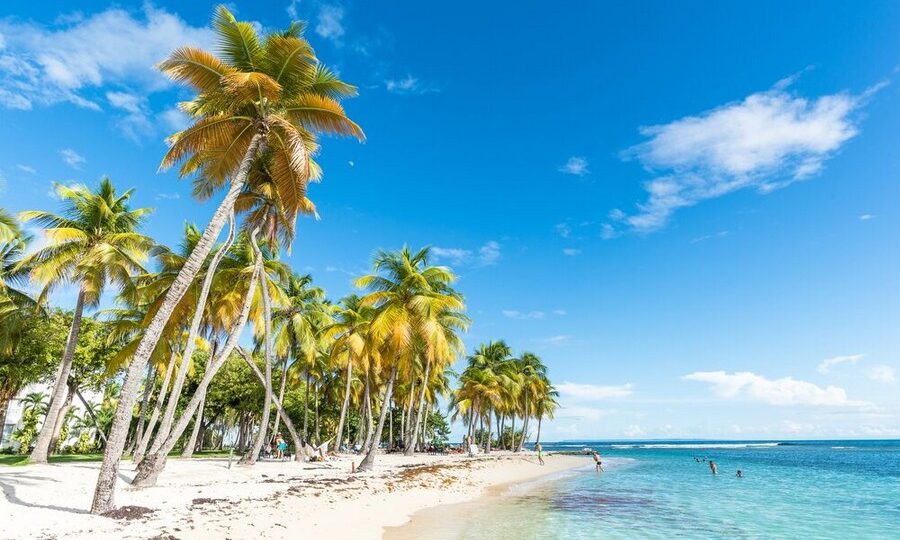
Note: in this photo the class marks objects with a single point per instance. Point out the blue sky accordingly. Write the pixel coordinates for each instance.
(689, 210)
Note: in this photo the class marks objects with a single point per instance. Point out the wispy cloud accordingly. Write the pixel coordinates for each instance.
(571, 252)
(866, 217)
(720, 234)
(135, 124)
(72, 158)
(766, 141)
(175, 119)
(168, 196)
(523, 315)
(575, 165)
(561, 339)
(881, 373)
(582, 412)
(43, 65)
(408, 85)
(27, 168)
(785, 391)
(594, 392)
(488, 254)
(329, 23)
(825, 366)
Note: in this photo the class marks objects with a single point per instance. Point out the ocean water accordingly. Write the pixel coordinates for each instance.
(657, 489)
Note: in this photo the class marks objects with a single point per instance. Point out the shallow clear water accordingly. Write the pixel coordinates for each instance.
(821, 489)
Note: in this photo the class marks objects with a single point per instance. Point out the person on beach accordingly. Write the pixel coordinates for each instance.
(713, 468)
(280, 446)
(540, 450)
(597, 461)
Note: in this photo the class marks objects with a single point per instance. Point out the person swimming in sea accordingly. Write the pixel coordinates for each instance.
(597, 461)
(712, 467)
(740, 473)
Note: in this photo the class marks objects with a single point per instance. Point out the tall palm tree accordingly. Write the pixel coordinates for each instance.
(259, 96)
(93, 243)
(407, 294)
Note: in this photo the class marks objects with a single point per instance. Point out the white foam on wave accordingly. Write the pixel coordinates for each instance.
(697, 445)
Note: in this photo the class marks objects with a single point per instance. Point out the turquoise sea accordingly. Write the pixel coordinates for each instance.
(658, 489)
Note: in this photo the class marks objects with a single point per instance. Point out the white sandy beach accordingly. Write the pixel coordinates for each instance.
(203, 498)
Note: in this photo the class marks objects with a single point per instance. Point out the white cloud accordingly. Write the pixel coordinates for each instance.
(523, 316)
(571, 252)
(633, 431)
(27, 168)
(406, 84)
(866, 217)
(72, 158)
(175, 119)
(580, 412)
(577, 166)
(43, 65)
(329, 23)
(457, 256)
(720, 234)
(135, 124)
(563, 229)
(766, 141)
(168, 196)
(555, 340)
(824, 366)
(489, 253)
(882, 373)
(292, 9)
(784, 391)
(594, 392)
(559, 312)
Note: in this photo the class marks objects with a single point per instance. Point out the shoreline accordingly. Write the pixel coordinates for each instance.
(203, 498)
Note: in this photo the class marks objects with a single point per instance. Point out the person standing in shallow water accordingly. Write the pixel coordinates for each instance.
(712, 467)
(597, 461)
(540, 450)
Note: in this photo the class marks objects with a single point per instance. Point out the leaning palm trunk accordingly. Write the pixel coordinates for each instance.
(284, 367)
(340, 429)
(154, 416)
(537, 439)
(194, 331)
(48, 429)
(251, 458)
(299, 447)
(188, 450)
(411, 445)
(153, 464)
(60, 420)
(368, 404)
(524, 425)
(104, 494)
(369, 461)
(149, 382)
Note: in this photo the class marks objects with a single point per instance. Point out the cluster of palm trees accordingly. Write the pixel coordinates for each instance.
(260, 104)
(497, 387)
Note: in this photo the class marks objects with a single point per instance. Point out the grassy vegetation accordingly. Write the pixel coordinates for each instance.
(22, 459)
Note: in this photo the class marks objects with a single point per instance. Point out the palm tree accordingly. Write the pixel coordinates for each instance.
(92, 243)
(545, 406)
(260, 97)
(34, 402)
(408, 295)
(533, 376)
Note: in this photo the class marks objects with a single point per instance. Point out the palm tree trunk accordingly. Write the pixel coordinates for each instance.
(316, 405)
(411, 446)
(60, 420)
(42, 445)
(513, 444)
(298, 444)
(368, 404)
(157, 409)
(90, 411)
(390, 427)
(368, 463)
(267, 350)
(306, 408)
(340, 430)
(166, 425)
(487, 432)
(149, 382)
(151, 466)
(538, 438)
(284, 367)
(189, 446)
(104, 493)
(524, 424)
